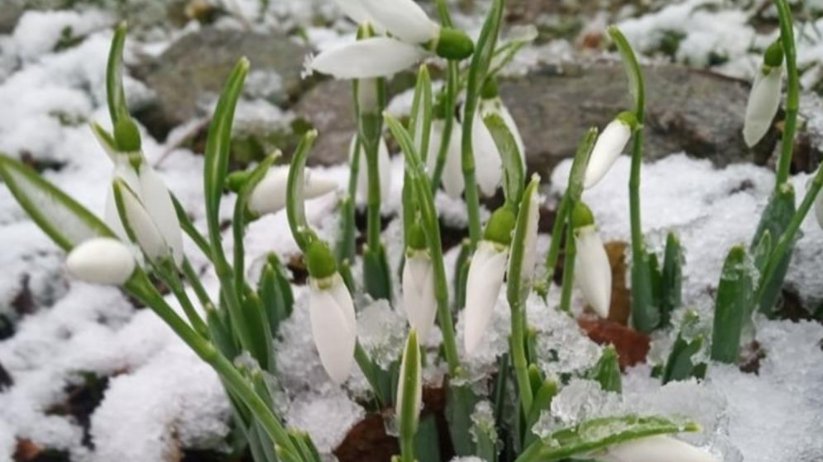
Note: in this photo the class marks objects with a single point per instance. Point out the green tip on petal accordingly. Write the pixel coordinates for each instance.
(417, 237)
(365, 31)
(127, 135)
(500, 226)
(490, 89)
(236, 180)
(320, 260)
(453, 44)
(774, 55)
(582, 216)
(629, 118)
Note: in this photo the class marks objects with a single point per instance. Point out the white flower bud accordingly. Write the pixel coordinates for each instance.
(333, 325)
(607, 149)
(486, 272)
(764, 101)
(419, 300)
(368, 58)
(269, 196)
(656, 449)
(593, 274)
(383, 164)
(488, 164)
(101, 260)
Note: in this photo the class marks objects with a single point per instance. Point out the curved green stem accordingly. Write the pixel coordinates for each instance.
(793, 92)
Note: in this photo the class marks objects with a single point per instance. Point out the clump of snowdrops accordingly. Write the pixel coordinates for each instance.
(462, 139)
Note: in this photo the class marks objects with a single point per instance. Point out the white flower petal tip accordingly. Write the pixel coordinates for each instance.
(489, 166)
(384, 170)
(530, 241)
(764, 101)
(333, 326)
(419, 300)
(607, 149)
(317, 186)
(488, 266)
(269, 196)
(593, 271)
(369, 58)
(452, 179)
(143, 228)
(101, 261)
(656, 449)
(403, 18)
(157, 200)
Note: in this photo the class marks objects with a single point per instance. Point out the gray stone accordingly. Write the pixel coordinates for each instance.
(10, 12)
(329, 108)
(188, 77)
(687, 110)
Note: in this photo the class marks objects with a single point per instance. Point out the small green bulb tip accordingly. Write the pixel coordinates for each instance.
(236, 180)
(453, 44)
(320, 260)
(629, 118)
(773, 57)
(417, 237)
(582, 216)
(127, 135)
(490, 88)
(500, 226)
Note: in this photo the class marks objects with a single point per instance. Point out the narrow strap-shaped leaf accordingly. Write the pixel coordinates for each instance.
(295, 199)
(598, 434)
(773, 222)
(633, 72)
(680, 365)
(218, 147)
(62, 218)
(513, 171)
(408, 396)
(671, 282)
(543, 397)
(114, 75)
(734, 296)
(607, 371)
(242, 215)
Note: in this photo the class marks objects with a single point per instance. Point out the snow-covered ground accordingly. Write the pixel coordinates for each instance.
(161, 398)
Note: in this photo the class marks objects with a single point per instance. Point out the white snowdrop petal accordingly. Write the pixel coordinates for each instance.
(452, 179)
(269, 196)
(530, 242)
(607, 149)
(384, 166)
(402, 18)
(512, 125)
(764, 101)
(317, 185)
(418, 293)
(593, 273)
(488, 266)
(363, 59)
(488, 165)
(158, 203)
(101, 261)
(148, 236)
(656, 449)
(331, 313)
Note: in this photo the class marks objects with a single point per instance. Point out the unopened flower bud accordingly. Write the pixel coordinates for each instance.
(608, 147)
(101, 260)
(593, 274)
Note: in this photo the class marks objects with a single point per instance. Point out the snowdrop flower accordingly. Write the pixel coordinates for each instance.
(488, 162)
(452, 179)
(269, 196)
(608, 147)
(591, 265)
(413, 36)
(764, 99)
(419, 299)
(331, 312)
(384, 166)
(148, 216)
(485, 278)
(101, 260)
(655, 449)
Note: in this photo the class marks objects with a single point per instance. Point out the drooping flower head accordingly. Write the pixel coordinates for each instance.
(764, 99)
(593, 274)
(610, 144)
(419, 300)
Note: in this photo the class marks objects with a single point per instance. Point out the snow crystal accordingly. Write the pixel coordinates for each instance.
(382, 332)
(326, 415)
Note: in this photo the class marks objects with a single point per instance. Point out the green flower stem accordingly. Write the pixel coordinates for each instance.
(141, 287)
(428, 214)
(241, 216)
(188, 227)
(449, 102)
(480, 63)
(572, 194)
(568, 266)
(346, 245)
(786, 242)
(443, 13)
(370, 133)
(194, 279)
(114, 76)
(793, 92)
(366, 365)
(169, 275)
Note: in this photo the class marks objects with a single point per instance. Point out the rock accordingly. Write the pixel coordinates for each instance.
(329, 108)
(687, 110)
(10, 12)
(188, 77)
